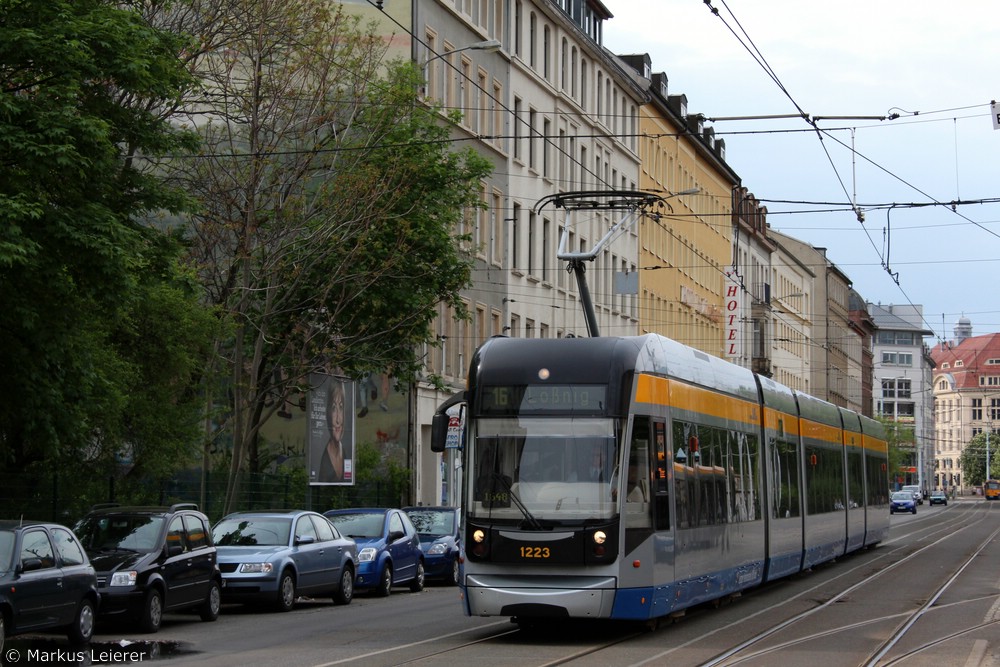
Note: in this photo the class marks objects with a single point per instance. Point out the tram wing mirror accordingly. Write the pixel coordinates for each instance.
(442, 423)
(439, 432)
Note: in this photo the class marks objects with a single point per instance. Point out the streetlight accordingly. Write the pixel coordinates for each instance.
(490, 45)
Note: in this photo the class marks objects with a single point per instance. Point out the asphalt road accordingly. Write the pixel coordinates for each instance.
(931, 593)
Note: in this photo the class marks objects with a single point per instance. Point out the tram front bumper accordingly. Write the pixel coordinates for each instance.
(540, 596)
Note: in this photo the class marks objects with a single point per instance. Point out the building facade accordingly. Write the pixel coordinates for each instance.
(902, 387)
(685, 246)
(966, 399)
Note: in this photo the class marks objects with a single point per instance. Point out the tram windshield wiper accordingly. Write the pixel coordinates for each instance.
(528, 516)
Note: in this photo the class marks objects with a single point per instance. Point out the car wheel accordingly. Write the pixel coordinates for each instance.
(3, 630)
(82, 629)
(152, 611)
(417, 583)
(286, 591)
(385, 582)
(914, 510)
(345, 593)
(453, 580)
(209, 609)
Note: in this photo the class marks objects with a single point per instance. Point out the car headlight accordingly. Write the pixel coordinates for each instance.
(256, 568)
(437, 549)
(366, 555)
(123, 578)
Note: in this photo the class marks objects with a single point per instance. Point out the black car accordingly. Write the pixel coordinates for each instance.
(46, 581)
(152, 559)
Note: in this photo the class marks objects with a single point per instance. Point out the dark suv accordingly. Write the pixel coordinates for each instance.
(152, 559)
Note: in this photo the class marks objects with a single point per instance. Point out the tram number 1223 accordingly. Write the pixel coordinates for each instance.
(535, 552)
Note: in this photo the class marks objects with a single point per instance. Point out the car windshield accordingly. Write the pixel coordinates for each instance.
(902, 495)
(433, 522)
(120, 532)
(244, 531)
(6, 549)
(358, 525)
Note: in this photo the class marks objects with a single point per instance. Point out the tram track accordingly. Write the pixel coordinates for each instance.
(900, 635)
(905, 621)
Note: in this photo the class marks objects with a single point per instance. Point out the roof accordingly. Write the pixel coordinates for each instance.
(968, 359)
(886, 320)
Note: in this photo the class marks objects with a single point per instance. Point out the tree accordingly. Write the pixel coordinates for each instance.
(100, 320)
(900, 438)
(329, 196)
(973, 459)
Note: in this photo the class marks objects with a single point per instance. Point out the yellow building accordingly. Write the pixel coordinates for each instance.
(685, 250)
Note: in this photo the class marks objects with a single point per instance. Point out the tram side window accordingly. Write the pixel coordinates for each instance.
(824, 479)
(855, 478)
(785, 464)
(875, 470)
(685, 437)
(744, 471)
(715, 475)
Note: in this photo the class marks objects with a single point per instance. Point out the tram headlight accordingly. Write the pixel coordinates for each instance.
(478, 536)
(600, 536)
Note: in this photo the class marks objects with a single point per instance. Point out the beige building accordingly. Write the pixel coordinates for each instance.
(686, 247)
(834, 346)
(966, 399)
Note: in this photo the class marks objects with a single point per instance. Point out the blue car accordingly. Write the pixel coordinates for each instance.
(440, 534)
(902, 501)
(275, 556)
(388, 548)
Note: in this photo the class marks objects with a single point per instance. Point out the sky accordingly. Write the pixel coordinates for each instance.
(936, 65)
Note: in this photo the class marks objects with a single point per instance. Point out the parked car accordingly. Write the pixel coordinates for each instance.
(918, 495)
(938, 498)
(902, 501)
(439, 529)
(46, 581)
(150, 560)
(388, 548)
(275, 556)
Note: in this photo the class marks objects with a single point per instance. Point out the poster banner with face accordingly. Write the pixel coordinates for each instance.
(331, 430)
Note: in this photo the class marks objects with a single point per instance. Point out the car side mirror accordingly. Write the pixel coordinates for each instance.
(305, 539)
(395, 535)
(174, 549)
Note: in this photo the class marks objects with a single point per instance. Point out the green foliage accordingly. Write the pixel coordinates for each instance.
(973, 459)
(900, 438)
(81, 281)
(329, 202)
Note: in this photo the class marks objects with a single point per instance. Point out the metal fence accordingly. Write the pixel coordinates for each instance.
(64, 497)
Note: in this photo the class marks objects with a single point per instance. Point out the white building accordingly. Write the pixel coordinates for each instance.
(902, 389)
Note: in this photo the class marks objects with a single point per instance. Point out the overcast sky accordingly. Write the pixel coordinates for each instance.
(935, 64)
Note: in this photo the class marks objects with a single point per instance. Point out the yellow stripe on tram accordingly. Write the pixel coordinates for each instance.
(661, 391)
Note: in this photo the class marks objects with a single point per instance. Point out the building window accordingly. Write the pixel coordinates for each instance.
(897, 359)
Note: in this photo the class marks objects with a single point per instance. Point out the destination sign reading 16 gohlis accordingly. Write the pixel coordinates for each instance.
(535, 398)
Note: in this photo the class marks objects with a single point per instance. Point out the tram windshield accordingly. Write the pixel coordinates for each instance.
(530, 469)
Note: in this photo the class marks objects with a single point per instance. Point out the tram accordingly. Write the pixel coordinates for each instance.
(991, 489)
(634, 477)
